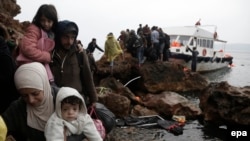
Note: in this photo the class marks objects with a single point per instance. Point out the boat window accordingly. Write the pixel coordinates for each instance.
(208, 43)
(212, 44)
(173, 38)
(204, 42)
(184, 40)
(192, 42)
(198, 43)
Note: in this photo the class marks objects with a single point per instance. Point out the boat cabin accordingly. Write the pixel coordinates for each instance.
(192, 36)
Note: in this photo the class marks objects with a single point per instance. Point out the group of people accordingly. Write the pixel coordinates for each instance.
(48, 83)
(150, 43)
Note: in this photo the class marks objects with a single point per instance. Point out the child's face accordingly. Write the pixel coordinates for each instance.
(46, 23)
(70, 112)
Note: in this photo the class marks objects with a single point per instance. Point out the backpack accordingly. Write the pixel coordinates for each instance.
(138, 42)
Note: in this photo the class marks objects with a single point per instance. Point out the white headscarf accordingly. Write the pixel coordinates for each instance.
(34, 75)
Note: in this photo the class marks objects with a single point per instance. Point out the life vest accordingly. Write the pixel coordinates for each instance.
(175, 44)
(204, 52)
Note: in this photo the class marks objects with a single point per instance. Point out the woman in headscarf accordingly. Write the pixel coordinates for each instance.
(26, 117)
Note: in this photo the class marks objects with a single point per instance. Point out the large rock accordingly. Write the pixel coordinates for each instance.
(154, 77)
(118, 104)
(158, 77)
(8, 10)
(171, 103)
(122, 102)
(10, 7)
(223, 104)
(115, 96)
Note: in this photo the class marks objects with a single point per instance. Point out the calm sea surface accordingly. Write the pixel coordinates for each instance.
(238, 76)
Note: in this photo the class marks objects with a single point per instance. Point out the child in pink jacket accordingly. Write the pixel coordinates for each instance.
(38, 41)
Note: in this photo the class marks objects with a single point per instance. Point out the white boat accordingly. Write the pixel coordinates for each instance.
(205, 41)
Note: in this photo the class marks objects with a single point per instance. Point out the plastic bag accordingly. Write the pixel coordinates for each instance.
(106, 116)
(98, 123)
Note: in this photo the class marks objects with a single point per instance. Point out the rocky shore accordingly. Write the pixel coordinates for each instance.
(162, 88)
(212, 110)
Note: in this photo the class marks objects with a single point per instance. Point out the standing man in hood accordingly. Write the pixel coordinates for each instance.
(70, 66)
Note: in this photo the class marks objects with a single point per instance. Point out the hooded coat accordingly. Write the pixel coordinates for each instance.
(67, 70)
(112, 48)
(36, 46)
(54, 130)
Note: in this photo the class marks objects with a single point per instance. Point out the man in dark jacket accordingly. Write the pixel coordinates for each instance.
(92, 46)
(195, 54)
(90, 50)
(70, 66)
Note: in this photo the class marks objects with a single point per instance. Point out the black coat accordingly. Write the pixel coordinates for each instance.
(7, 70)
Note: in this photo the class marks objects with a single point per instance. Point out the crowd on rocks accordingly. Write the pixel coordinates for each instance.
(147, 43)
(36, 70)
(48, 61)
(144, 44)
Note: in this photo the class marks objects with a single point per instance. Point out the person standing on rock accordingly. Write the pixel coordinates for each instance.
(112, 50)
(90, 50)
(195, 54)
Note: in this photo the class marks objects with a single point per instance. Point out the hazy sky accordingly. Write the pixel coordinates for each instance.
(96, 18)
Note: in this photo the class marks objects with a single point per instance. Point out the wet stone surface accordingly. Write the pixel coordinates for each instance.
(193, 131)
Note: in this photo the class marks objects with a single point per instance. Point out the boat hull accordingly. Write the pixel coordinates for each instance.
(204, 64)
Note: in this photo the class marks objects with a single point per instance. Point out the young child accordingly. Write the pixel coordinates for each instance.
(38, 41)
(70, 121)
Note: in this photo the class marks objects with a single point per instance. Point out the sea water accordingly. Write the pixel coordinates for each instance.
(239, 74)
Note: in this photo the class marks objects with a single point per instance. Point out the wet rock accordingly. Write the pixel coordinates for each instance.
(8, 10)
(171, 103)
(139, 110)
(10, 7)
(137, 134)
(167, 76)
(118, 104)
(154, 77)
(223, 104)
(123, 102)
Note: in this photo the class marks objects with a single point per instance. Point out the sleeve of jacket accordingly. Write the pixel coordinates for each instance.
(99, 48)
(88, 82)
(90, 130)
(15, 117)
(28, 45)
(54, 129)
